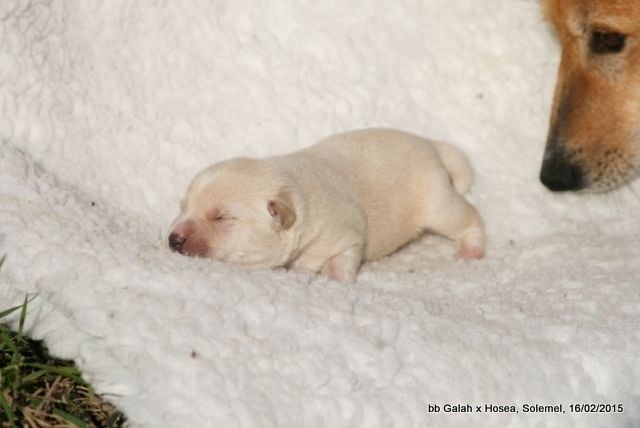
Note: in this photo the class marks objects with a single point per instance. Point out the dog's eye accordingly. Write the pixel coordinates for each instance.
(216, 215)
(604, 42)
(219, 217)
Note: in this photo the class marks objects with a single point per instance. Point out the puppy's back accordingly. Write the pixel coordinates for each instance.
(391, 173)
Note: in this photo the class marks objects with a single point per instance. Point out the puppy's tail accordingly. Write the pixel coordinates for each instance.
(457, 166)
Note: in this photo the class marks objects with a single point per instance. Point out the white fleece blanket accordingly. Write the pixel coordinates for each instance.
(109, 108)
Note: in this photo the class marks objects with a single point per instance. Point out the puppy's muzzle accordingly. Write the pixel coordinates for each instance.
(560, 173)
(186, 240)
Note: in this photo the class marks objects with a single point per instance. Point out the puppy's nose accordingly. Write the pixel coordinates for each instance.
(560, 174)
(176, 241)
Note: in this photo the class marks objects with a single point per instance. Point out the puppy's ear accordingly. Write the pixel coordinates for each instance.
(282, 210)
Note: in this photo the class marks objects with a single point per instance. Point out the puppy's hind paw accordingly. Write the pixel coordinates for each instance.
(341, 268)
(470, 248)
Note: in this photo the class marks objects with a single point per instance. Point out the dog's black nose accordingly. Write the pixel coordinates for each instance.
(560, 174)
(176, 242)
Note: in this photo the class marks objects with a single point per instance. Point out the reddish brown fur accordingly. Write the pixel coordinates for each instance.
(596, 106)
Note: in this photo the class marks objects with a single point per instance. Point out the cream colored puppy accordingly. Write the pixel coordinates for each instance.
(352, 197)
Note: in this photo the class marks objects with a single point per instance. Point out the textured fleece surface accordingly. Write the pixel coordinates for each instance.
(107, 109)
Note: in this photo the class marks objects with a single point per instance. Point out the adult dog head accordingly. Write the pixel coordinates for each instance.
(594, 134)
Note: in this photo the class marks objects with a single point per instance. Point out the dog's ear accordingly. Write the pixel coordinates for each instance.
(282, 210)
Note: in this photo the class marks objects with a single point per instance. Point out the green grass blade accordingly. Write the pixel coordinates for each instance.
(9, 311)
(8, 411)
(33, 376)
(70, 418)
(23, 316)
(7, 340)
(2, 259)
(68, 372)
(15, 308)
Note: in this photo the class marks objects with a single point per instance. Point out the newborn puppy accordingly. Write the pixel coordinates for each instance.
(352, 197)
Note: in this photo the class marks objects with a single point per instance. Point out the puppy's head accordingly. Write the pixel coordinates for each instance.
(594, 134)
(237, 211)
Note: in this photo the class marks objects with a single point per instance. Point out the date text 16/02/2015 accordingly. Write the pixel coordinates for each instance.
(525, 408)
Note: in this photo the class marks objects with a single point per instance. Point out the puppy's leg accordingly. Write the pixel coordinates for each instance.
(449, 214)
(343, 267)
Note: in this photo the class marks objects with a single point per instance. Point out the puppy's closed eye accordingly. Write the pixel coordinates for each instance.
(218, 215)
